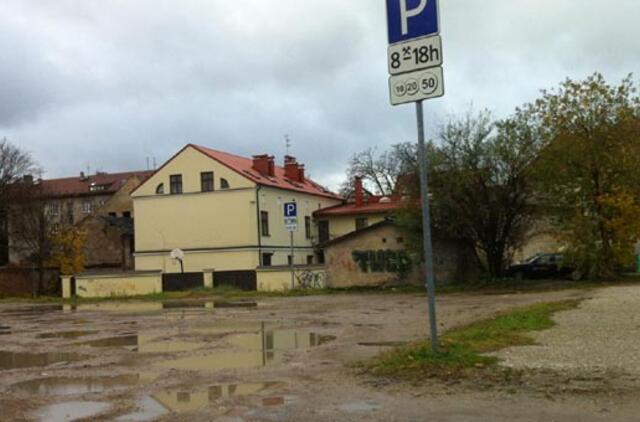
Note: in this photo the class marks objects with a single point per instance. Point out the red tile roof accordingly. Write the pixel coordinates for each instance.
(379, 207)
(98, 184)
(244, 167)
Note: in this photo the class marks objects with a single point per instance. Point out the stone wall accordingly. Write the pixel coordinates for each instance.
(378, 257)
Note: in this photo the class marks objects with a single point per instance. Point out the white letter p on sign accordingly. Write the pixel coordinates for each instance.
(406, 14)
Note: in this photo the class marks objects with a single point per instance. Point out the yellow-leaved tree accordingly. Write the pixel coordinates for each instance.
(68, 249)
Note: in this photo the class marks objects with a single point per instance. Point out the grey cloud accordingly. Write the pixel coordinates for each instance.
(111, 83)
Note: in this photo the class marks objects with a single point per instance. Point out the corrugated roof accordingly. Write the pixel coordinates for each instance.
(244, 166)
(98, 184)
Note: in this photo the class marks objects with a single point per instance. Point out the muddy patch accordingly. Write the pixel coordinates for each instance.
(65, 334)
(64, 386)
(19, 360)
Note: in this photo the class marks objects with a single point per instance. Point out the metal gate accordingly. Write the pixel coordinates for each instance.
(179, 282)
(243, 280)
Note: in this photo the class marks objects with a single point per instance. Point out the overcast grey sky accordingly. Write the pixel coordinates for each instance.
(107, 83)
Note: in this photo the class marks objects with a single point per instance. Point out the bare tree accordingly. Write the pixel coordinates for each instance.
(380, 170)
(15, 164)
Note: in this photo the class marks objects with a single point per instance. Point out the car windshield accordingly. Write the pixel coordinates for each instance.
(531, 259)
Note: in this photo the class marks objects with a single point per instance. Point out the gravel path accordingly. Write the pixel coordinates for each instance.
(603, 334)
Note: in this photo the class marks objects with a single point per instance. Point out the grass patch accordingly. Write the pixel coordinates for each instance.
(462, 349)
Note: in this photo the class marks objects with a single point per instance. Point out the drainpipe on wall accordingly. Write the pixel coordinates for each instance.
(258, 187)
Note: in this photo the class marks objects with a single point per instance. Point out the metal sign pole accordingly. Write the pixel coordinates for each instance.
(426, 228)
(293, 284)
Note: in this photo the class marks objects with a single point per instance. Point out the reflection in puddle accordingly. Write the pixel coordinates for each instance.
(147, 409)
(181, 400)
(145, 344)
(16, 360)
(5, 330)
(60, 386)
(71, 411)
(31, 310)
(65, 334)
(262, 348)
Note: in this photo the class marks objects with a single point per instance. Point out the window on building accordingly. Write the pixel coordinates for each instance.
(87, 207)
(70, 217)
(206, 181)
(113, 214)
(362, 223)
(224, 184)
(310, 259)
(53, 208)
(176, 184)
(267, 259)
(126, 214)
(264, 223)
(289, 259)
(320, 256)
(307, 227)
(323, 231)
(160, 189)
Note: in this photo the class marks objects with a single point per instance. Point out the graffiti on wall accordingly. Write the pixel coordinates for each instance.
(383, 261)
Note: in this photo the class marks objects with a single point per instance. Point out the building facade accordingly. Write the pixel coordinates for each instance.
(225, 212)
(100, 204)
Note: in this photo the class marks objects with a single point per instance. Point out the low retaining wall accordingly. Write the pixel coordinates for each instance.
(108, 285)
(278, 279)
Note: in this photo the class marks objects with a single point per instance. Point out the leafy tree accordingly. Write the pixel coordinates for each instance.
(481, 188)
(68, 249)
(589, 171)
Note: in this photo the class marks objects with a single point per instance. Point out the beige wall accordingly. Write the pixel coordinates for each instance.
(345, 224)
(109, 285)
(273, 200)
(190, 163)
(221, 260)
(279, 279)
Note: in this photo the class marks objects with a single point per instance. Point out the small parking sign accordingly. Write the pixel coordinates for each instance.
(410, 19)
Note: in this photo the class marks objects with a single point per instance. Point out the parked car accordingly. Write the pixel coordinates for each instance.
(542, 266)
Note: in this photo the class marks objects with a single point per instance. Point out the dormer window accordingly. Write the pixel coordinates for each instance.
(160, 189)
(224, 184)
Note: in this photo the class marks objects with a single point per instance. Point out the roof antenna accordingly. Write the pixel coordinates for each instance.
(287, 143)
(147, 163)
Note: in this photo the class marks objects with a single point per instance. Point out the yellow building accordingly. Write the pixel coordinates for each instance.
(225, 212)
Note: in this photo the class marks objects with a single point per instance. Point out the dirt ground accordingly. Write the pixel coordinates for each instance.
(281, 359)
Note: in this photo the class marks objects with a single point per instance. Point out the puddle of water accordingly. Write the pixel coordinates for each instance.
(147, 409)
(359, 407)
(262, 349)
(32, 310)
(18, 360)
(288, 339)
(4, 330)
(65, 334)
(71, 411)
(184, 400)
(383, 343)
(121, 341)
(61, 386)
(145, 344)
(209, 305)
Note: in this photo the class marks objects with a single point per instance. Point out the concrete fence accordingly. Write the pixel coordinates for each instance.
(277, 279)
(109, 285)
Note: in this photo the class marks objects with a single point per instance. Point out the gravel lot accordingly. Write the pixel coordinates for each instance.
(602, 335)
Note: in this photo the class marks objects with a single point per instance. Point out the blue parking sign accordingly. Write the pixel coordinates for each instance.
(409, 19)
(290, 209)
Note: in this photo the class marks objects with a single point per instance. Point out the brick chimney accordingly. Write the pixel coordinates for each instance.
(264, 164)
(293, 170)
(359, 192)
